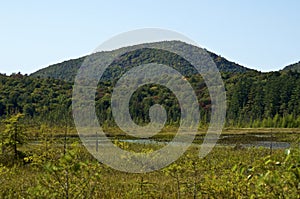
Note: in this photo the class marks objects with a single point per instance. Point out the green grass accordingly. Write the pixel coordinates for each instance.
(226, 172)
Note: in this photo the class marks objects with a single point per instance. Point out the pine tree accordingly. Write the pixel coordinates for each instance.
(13, 135)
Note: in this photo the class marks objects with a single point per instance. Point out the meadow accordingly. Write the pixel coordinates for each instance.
(56, 165)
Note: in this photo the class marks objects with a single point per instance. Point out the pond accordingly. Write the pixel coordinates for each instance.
(242, 140)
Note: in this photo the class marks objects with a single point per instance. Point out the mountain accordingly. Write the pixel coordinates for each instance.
(293, 67)
(67, 70)
(254, 99)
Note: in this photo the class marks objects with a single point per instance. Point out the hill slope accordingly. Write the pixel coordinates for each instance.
(293, 67)
(67, 70)
(254, 99)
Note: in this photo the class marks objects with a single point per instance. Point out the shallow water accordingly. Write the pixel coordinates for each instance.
(265, 144)
(232, 140)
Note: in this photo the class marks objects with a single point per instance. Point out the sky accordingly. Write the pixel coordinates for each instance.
(262, 35)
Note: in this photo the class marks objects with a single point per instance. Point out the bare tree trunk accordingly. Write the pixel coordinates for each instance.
(178, 187)
(2, 144)
(67, 185)
(195, 181)
(67, 173)
(271, 147)
(65, 141)
(97, 144)
(15, 145)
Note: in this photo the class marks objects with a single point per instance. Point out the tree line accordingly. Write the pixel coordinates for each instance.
(254, 99)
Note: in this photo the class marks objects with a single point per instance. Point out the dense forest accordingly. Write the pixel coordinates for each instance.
(254, 99)
(42, 157)
(293, 67)
(136, 55)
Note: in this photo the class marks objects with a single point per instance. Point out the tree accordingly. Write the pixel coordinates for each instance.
(13, 135)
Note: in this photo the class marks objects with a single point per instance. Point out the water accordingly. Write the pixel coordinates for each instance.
(244, 140)
(269, 144)
(265, 144)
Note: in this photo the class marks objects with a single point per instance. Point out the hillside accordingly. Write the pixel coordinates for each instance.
(67, 69)
(293, 67)
(253, 99)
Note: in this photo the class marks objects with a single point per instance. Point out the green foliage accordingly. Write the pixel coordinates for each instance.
(293, 67)
(67, 70)
(50, 169)
(263, 99)
(69, 177)
(13, 136)
(40, 99)
(253, 99)
(226, 172)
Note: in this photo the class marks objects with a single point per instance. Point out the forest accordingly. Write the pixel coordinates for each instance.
(43, 157)
(254, 99)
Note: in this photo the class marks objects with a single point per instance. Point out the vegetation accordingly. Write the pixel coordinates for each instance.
(55, 165)
(226, 172)
(67, 70)
(42, 157)
(253, 100)
(13, 136)
(293, 67)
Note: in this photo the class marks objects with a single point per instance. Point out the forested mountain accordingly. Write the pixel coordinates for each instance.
(67, 70)
(35, 97)
(294, 67)
(254, 99)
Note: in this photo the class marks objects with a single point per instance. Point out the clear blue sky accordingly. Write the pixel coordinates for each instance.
(263, 35)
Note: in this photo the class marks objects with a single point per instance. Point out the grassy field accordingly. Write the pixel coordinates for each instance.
(51, 171)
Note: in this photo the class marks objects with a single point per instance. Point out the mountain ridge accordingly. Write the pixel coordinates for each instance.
(293, 67)
(67, 70)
